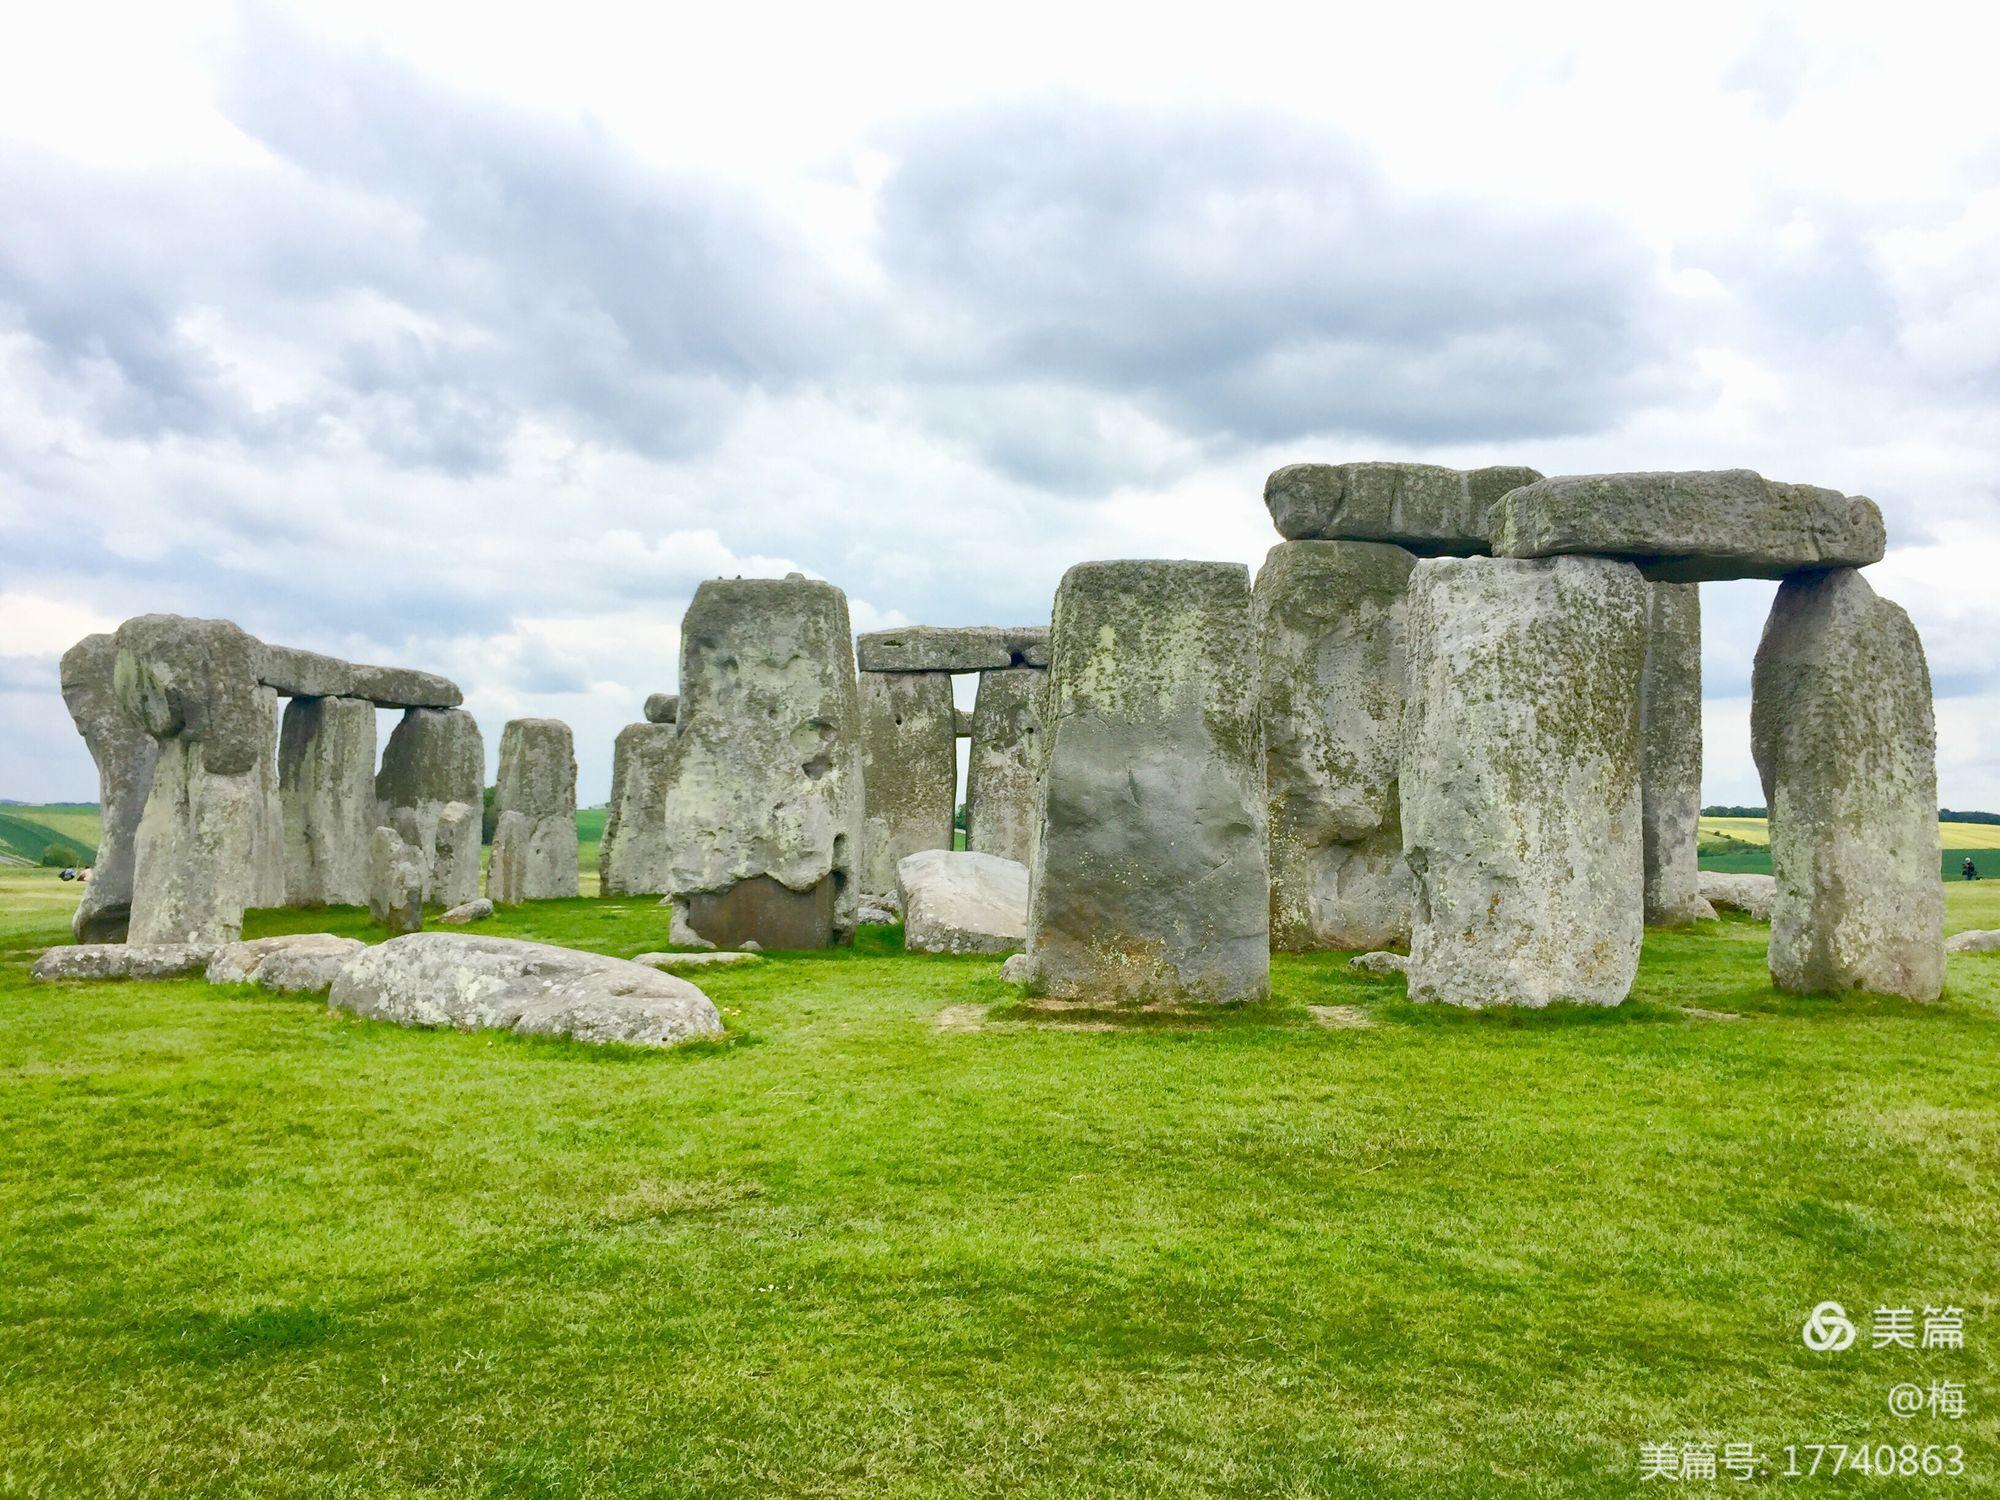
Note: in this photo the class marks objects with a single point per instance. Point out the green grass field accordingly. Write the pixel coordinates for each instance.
(903, 1234)
(1742, 846)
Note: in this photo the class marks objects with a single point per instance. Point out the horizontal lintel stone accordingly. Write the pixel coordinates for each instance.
(966, 648)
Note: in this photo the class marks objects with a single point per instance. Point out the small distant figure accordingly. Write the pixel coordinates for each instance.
(1969, 870)
(70, 874)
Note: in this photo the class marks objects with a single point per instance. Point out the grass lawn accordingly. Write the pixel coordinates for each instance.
(1742, 846)
(902, 1234)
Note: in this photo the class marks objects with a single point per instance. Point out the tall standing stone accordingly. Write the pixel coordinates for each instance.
(1331, 619)
(1841, 725)
(125, 755)
(1670, 755)
(1003, 768)
(632, 859)
(326, 780)
(538, 782)
(909, 773)
(1150, 875)
(430, 788)
(764, 797)
(1520, 780)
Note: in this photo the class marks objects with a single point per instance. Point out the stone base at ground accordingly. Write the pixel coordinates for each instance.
(1380, 962)
(454, 979)
(303, 963)
(962, 902)
(693, 960)
(1972, 942)
(471, 911)
(759, 910)
(123, 961)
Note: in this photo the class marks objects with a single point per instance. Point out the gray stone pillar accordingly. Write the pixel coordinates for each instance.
(326, 781)
(431, 789)
(632, 860)
(1520, 780)
(1841, 725)
(1003, 776)
(909, 773)
(764, 798)
(125, 755)
(1331, 618)
(537, 781)
(1670, 755)
(1150, 875)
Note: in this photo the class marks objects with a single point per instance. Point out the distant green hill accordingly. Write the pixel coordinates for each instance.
(48, 836)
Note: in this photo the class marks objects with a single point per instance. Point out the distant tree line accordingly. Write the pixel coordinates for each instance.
(1945, 814)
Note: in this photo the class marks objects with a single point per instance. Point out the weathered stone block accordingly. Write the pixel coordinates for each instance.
(663, 708)
(909, 772)
(326, 781)
(1670, 755)
(1150, 875)
(195, 852)
(1427, 509)
(430, 789)
(1331, 620)
(395, 883)
(124, 753)
(1003, 776)
(632, 859)
(1520, 780)
(1841, 725)
(538, 781)
(960, 902)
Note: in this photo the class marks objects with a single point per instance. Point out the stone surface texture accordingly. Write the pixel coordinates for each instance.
(946, 648)
(195, 853)
(431, 788)
(1670, 755)
(1691, 526)
(909, 773)
(1331, 620)
(1003, 767)
(123, 961)
(1841, 726)
(326, 783)
(1520, 780)
(1379, 962)
(395, 882)
(303, 963)
(124, 753)
(766, 784)
(1973, 942)
(662, 708)
(457, 979)
(632, 858)
(1150, 877)
(960, 902)
(538, 780)
(1752, 894)
(1428, 510)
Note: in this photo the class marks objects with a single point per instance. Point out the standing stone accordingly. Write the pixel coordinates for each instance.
(1150, 876)
(507, 868)
(1670, 755)
(267, 840)
(1003, 776)
(909, 772)
(632, 859)
(1331, 620)
(1841, 725)
(435, 758)
(191, 684)
(538, 781)
(1520, 780)
(395, 883)
(764, 799)
(124, 754)
(326, 781)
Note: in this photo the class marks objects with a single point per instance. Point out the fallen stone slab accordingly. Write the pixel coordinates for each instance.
(663, 708)
(961, 902)
(1752, 894)
(123, 961)
(535, 989)
(1972, 942)
(940, 648)
(1379, 963)
(1425, 508)
(694, 960)
(1690, 526)
(301, 963)
(475, 910)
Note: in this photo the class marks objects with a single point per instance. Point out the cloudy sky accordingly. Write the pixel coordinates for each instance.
(473, 337)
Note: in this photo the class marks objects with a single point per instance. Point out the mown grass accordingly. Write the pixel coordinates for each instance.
(903, 1234)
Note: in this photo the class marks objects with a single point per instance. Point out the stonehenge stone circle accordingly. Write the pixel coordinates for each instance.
(537, 781)
(1670, 755)
(1330, 622)
(632, 858)
(909, 772)
(1520, 780)
(430, 788)
(395, 882)
(1150, 876)
(953, 648)
(326, 783)
(1423, 508)
(1690, 527)
(124, 753)
(764, 795)
(1841, 726)
(1003, 768)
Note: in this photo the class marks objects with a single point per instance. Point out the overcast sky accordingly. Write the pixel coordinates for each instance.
(472, 337)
